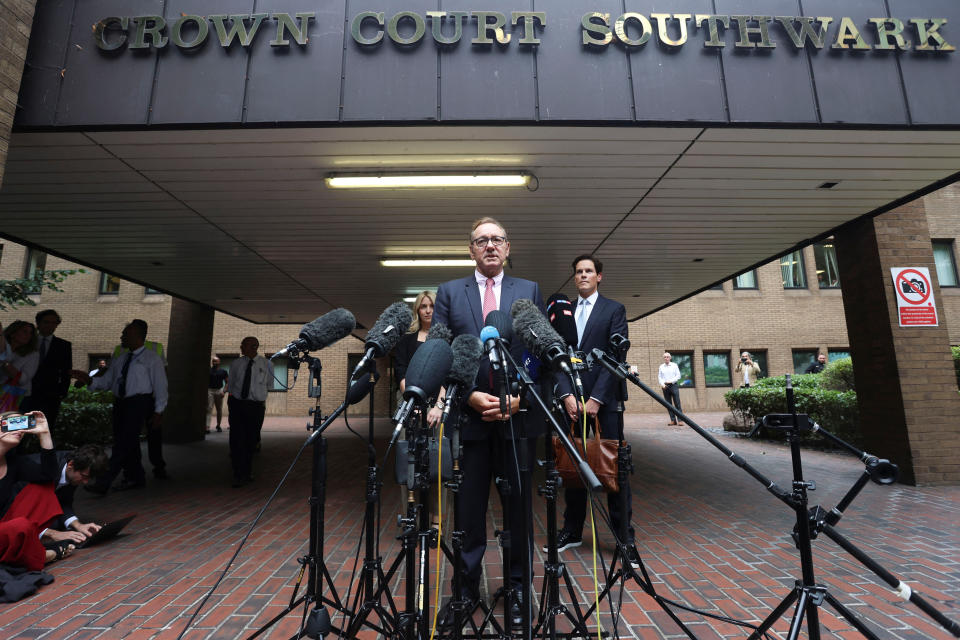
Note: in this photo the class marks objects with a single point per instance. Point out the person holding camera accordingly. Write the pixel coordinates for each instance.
(748, 370)
(25, 510)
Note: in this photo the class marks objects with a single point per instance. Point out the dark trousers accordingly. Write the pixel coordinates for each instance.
(672, 395)
(576, 498)
(155, 448)
(129, 416)
(482, 461)
(50, 405)
(245, 419)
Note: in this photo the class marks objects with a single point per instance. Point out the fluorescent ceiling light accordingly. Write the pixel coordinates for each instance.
(426, 180)
(426, 262)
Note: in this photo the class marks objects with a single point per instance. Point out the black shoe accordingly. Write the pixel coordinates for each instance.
(565, 540)
(219, 430)
(632, 556)
(126, 485)
(516, 608)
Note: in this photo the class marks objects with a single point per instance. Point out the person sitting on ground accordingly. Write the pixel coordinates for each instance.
(77, 468)
(24, 514)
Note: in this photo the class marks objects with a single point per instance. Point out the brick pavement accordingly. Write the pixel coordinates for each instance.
(708, 533)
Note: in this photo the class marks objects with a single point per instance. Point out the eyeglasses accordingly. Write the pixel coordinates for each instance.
(481, 243)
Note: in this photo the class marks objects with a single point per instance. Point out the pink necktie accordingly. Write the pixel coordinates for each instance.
(489, 299)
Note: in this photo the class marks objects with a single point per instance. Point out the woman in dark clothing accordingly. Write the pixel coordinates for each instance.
(25, 514)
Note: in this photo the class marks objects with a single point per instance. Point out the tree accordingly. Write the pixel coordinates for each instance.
(16, 293)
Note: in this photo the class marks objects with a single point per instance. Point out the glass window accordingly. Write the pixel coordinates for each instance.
(760, 357)
(716, 369)
(717, 287)
(279, 382)
(825, 259)
(836, 354)
(684, 362)
(746, 280)
(109, 285)
(36, 263)
(946, 264)
(803, 358)
(150, 291)
(791, 271)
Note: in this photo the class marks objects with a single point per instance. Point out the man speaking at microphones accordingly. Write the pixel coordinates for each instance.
(596, 319)
(462, 305)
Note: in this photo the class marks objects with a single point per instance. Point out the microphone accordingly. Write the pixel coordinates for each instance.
(439, 331)
(385, 334)
(359, 389)
(321, 332)
(537, 334)
(560, 314)
(428, 367)
(497, 341)
(467, 350)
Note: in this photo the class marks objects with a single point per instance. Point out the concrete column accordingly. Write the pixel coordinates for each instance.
(16, 20)
(188, 366)
(906, 388)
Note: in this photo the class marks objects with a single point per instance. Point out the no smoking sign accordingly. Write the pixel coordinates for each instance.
(915, 304)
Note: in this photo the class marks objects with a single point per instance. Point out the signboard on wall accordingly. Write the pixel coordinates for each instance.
(914, 292)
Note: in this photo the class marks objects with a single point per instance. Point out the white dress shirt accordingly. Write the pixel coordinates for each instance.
(668, 373)
(145, 375)
(260, 376)
(482, 283)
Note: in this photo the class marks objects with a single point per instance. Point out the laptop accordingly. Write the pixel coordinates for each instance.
(107, 532)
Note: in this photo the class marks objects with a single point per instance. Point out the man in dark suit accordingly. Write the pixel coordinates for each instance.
(488, 451)
(597, 319)
(52, 379)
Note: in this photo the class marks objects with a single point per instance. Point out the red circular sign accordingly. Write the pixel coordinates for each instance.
(919, 286)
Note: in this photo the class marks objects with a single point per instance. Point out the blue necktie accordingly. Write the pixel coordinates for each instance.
(581, 320)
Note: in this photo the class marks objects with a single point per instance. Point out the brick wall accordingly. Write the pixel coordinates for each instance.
(16, 18)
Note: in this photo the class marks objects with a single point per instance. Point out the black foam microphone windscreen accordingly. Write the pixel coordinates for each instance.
(438, 330)
(500, 321)
(538, 336)
(327, 329)
(560, 314)
(359, 389)
(428, 369)
(467, 350)
(389, 328)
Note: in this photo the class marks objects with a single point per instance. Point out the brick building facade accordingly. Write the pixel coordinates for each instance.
(780, 325)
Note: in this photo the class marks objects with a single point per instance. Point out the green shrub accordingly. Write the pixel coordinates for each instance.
(835, 411)
(956, 362)
(838, 375)
(86, 417)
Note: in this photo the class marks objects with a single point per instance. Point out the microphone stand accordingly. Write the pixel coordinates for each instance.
(589, 477)
(318, 620)
(808, 595)
(367, 598)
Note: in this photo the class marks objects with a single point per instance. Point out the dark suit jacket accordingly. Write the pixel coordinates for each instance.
(53, 375)
(460, 308)
(65, 493)
(608, 317)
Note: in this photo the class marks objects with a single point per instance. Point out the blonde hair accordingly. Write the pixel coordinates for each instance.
(415, 325)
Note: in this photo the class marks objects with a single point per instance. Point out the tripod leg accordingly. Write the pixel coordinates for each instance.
(851, 617)
(797, 621)
(775, 614)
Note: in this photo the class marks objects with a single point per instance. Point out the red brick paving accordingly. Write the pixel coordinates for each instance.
(708, 533)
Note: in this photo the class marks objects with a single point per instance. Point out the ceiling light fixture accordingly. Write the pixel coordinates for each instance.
(427, 180)
(426, 262)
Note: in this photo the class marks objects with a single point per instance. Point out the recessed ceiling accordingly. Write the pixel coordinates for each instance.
(240, 219)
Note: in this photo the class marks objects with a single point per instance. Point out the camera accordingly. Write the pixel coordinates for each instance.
(743, 360)
(917, 286)
(17, 423)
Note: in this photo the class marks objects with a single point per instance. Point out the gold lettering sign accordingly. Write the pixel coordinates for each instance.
(630, 30)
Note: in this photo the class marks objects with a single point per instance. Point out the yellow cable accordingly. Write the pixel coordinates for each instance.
(436, 587)
(593, 526)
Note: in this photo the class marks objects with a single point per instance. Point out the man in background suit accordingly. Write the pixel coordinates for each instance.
(597, 319)
(462, 305)
(52, 379)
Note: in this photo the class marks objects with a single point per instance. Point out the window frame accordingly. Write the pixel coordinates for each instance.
(795, 351)
(802, 270)
(35, 261)
(756, 282)
(725, 354)
(104, 279)
(953, 261)
(823, 249)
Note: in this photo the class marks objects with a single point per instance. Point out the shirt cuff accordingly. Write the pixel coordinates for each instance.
(597, 400)
(69, 521)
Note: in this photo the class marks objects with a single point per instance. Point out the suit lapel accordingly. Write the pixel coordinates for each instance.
(592, 321)
(472, 291)
(507, 294)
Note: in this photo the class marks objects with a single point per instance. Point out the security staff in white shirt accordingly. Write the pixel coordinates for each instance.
(139, 383)
(669, 377)
(248, 378)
